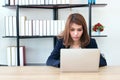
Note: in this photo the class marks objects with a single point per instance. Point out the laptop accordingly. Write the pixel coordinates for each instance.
(79, 60)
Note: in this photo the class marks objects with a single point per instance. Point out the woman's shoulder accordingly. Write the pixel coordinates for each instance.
(92, 40)
(92, 43)
(60, 42)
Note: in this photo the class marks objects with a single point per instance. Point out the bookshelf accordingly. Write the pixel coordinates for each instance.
(55, 8)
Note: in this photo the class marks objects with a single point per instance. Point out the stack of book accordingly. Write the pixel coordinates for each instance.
(12, 56)
(35, 2)
(33, 27)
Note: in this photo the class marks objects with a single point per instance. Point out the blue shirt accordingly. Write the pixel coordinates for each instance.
(54, 58)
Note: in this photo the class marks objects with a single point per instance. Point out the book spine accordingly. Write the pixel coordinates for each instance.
(9, 56)
(22, 25)
(11, 25)
(89, 1)
(52, 27)
(7, 33)
(41, 28)
(14, 55)
(30, 27)
(7, 2)
(44, 27)
(14, 26)
(37, 27)
(27, 28)
(48, 27)
(34, 27)
(22, 56)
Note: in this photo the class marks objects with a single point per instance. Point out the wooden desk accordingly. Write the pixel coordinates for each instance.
(51, 73)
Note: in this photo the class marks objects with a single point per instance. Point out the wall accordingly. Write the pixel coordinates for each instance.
(36, 49)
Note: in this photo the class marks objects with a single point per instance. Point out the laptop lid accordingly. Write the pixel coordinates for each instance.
(79, 60)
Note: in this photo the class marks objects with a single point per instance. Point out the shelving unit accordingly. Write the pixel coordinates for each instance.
(55, 8)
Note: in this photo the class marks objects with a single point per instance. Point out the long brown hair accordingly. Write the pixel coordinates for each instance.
(79, 20)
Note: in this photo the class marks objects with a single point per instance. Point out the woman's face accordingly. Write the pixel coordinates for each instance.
(76, 32)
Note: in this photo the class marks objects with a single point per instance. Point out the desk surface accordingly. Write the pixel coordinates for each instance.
(52, 73)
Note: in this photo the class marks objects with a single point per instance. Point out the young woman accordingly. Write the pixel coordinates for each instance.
(75, 35)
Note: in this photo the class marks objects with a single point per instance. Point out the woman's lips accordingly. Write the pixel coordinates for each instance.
(75, 37)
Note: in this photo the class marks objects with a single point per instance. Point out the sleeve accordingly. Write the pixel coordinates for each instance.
(102, 62)
(54, 58)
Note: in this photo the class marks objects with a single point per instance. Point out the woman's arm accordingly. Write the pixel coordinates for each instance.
(102, 61)
(54, 58)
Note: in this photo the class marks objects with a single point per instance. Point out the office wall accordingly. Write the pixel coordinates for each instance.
(36, 49)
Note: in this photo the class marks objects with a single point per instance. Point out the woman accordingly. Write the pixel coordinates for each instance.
(74, 36)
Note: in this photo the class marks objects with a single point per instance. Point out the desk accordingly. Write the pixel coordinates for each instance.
(52, 73)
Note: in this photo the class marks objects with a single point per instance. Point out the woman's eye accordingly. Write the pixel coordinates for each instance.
(79, 29)
(72, 29)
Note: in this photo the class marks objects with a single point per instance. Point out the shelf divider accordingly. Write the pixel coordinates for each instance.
(17, 24)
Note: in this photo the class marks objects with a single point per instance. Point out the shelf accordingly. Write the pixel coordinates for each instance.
(22, 37)
(99, 36)
(34, 64)
(25, 37)
(9, 37)
(99, 5)
(58, 6)
(3, 65)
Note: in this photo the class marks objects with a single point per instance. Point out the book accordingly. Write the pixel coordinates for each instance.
(30, 27)
(7, 32)
(59, 29)
(37, 27)
(59, 2)
(26, 28)
(31, 2)
(12, 56)
(41, 28)
(26, 2)
(14, 26)
(63, 24)
(44, 27)
(52, 27)
(42, 1)
(22, 25)
(11, 25)
(50, 1)
(7, 2)
(55, 27)
(48, 27)
(34, 27)
(9, 56)
(22, 56)
(54, 1)
(12, 2)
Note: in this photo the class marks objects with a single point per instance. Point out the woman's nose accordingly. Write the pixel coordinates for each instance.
(75, 33)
